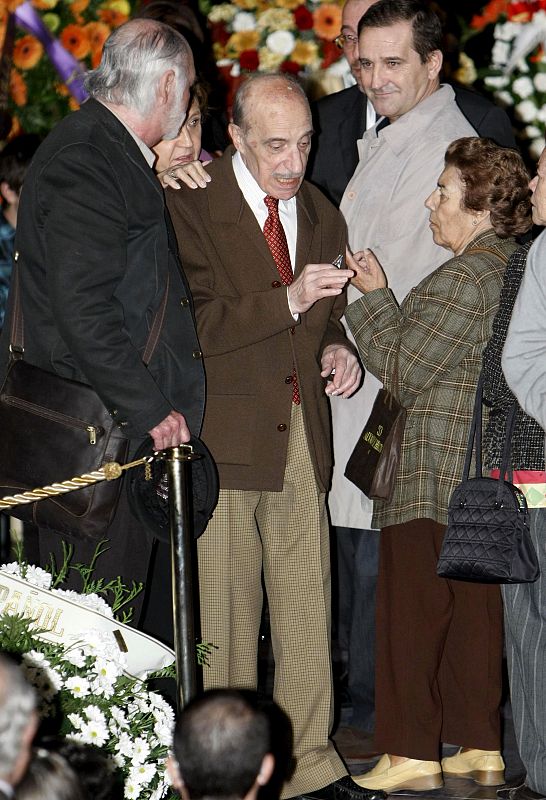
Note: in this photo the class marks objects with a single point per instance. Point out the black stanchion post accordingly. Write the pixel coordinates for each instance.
(178, 461)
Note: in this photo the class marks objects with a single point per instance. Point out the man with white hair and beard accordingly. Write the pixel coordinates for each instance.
(95, 255)
(18, 722)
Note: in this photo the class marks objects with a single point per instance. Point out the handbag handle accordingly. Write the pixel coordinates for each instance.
(17, 340)
(475, 436)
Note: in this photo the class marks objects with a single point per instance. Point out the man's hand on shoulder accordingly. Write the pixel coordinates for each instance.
(347, 373)
(170, 432)
(315, 282)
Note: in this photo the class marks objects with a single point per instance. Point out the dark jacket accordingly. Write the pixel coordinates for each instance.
(340, 120)
(95, 250)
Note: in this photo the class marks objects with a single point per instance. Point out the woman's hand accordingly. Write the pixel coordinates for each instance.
(192, 174)
(368, 271)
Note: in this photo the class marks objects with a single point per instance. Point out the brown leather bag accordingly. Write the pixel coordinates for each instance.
(53, 429)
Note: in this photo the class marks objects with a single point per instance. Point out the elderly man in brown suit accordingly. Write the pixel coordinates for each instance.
(258, 246)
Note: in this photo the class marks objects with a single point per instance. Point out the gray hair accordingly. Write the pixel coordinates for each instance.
(134, 58)
(262, 83)
(17, 704)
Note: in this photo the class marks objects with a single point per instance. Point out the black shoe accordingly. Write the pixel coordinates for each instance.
(522, 792)
(346, 789)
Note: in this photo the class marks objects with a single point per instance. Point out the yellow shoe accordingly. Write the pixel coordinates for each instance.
(486, 767)
(411, 774)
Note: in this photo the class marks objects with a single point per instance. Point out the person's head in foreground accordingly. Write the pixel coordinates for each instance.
(18, 722)
(222, 747)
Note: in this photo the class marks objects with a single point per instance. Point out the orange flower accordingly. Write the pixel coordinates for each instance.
(44, 5)
(490, 13)
(97, 33)
(15, 127)
(76, 41)
(112, 17)
(27, 52)
(327, 21)
(18, 88)
(77, 6)
(73, 104)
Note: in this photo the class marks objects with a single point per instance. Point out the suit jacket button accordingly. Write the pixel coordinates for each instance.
(281, 427)
(184, 302)
(276, 284)
(16, 255)
(288, 379)
(292, 330)
(197, 354)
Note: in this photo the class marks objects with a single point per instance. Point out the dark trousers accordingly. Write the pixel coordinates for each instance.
(439, 650)
(357, 562)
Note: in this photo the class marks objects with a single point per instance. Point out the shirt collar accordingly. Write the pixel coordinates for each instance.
(7, 788)
(148, 154)
(252, 192)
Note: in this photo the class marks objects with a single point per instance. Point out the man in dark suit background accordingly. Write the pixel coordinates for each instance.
(341, 118)
(95, 254)
(18, 722)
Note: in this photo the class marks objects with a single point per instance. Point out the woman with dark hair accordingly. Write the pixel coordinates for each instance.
(439, 642)
(181, 158)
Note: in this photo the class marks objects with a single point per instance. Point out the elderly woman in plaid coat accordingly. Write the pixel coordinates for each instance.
(439, 642)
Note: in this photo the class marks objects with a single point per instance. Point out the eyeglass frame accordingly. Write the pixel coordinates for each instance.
(343, 38)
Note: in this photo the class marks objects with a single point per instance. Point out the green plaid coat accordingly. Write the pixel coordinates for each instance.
(438, 335)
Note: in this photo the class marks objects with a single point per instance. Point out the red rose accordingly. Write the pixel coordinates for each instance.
(303, 18)
(219, 32)
(290, 66)
(330, 54)
(249, 59)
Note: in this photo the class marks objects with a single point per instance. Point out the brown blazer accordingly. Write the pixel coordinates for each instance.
(249, 339)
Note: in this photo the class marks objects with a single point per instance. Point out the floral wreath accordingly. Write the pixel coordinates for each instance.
(516, 73)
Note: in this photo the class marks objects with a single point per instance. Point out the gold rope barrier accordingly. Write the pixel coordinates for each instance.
(108, 472)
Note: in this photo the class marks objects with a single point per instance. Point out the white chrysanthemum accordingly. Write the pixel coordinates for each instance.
(93, 732)
(143, 773)
(536, 147)
(281, 42)
(132, 789)
(12, 568)
(506, 31)
(224, 12)
(78, 687)
(124, 745)
(541, 114)
(75, 720)
(94, 714)
(497, 81)
(38, 577)
(119, 716)
(523, 87)
(244, 21)
(500, 53)
(504, 98)
(526, 111)
(74, 656)
(164, 733)
(92, 601)
(540, 81)
(532, 132)
(36, 659)
(141, 750)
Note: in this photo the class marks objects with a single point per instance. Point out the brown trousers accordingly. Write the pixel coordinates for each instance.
(439, 650)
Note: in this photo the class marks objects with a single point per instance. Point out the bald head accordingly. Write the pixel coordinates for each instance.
(272, 131)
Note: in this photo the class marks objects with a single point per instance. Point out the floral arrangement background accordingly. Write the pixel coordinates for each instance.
(514, 33)
(295, 36)
(82, 683)
(38, 98)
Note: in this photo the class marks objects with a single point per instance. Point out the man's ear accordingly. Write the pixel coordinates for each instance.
(266, 769)
(166, 86)
(8, 194)
(236, 135)
(174, 774)
(435, 61)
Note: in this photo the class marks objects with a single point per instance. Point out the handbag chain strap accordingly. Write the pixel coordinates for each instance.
(17, 341)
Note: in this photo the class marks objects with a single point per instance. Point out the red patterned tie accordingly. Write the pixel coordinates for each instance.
(276, 240)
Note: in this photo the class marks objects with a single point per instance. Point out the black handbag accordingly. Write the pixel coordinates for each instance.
(487, 537)
(53, 429)
(373, 464)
